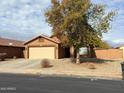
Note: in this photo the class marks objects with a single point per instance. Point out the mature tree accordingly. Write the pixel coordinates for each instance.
(105, 45)
(78, 23)
(100, 21)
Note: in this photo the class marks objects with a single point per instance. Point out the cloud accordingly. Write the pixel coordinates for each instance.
(118, 1)
(23, 17)
(116, 33)
(121, 40)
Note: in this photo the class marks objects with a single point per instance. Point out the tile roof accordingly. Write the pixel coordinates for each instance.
(10, 42)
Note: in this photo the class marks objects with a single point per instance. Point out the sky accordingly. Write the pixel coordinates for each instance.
(24, 19)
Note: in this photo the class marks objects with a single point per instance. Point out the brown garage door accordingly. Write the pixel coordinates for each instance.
(41, 52)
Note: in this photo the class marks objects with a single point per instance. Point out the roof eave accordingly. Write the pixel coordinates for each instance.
(39, 37)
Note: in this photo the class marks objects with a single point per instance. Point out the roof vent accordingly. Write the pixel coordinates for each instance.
(10, 44)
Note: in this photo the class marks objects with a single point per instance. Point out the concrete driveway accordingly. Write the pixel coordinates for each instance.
(19, 66)
(19, 63)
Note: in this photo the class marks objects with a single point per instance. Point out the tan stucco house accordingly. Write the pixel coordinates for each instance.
(45, 47)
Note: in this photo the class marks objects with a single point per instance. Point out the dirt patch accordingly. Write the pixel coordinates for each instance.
(64, 67)
(92, 65)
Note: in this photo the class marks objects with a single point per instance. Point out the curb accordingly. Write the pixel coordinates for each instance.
(78, 76)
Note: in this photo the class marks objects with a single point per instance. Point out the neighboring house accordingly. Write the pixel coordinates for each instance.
(12, 48)
(45, 47)
(122, 47)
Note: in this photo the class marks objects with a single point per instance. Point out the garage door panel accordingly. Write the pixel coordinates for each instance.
(41, 52)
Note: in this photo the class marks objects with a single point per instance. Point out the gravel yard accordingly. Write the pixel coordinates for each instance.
(63, 67)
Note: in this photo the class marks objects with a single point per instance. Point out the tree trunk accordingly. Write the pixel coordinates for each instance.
(72, 51)
(88, 51)
(77, 57)
(92, 52)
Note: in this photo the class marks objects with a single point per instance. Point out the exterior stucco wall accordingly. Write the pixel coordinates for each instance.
(41, 43)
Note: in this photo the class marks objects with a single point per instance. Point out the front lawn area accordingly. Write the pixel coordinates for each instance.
(88, 67)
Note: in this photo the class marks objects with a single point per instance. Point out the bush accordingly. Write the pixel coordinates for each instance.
(14, 57)
(45, 63)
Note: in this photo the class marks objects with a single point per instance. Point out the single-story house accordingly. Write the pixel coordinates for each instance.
(12, 48)
(45, 47)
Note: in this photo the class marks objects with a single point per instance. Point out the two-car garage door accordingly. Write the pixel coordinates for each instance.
(41, 52)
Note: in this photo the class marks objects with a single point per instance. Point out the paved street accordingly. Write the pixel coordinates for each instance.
(38, 84)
